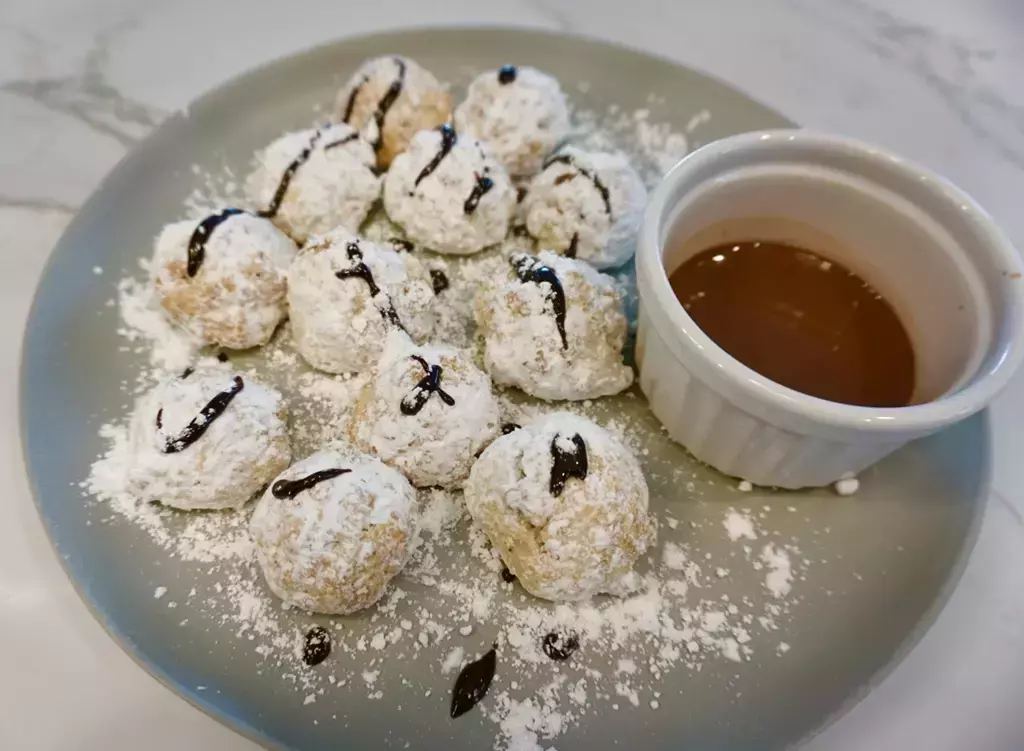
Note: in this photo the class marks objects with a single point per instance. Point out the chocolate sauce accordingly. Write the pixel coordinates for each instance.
(448, 139)
(362, 271)
(291, 488)
(222, 357)
(507, 74)
(351, 103)
(574, 243)
(592, 176)
(199, 425)
(439, 280)
(430, 384)
(521, 194)
(567, 463)
(801, 320)
(472, 684)
(317, 646)
(288, 175)
(510, 427)
(197, 242)
(385, 104)
(483, 185)
(530, 269)
(507, 576)
(342, 141)
(559, 647)
(187, 372)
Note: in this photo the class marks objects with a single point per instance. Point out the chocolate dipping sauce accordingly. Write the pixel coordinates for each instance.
(801, 320)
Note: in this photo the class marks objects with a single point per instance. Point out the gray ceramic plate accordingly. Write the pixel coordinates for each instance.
(883, 561)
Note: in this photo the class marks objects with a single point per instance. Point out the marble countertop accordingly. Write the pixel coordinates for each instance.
(81, 81)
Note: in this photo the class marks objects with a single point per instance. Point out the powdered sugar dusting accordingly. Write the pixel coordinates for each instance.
(706, 603)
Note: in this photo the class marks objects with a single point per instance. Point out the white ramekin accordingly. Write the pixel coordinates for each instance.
(953, 277)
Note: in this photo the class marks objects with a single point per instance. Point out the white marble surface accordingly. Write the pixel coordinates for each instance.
(83, 80)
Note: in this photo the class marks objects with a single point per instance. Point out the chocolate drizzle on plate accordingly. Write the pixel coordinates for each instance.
(567, 463)
(510, 427)
(187, 372)
(530, 269)
(197, 242)
(289, 174)
(592, 176)
(472, 684)
(291, 488)
(507, 74)
(483, 185)
(415, 400)
(222, 357)
(439, 280)
(199, 424)
(317, 646)
(362, 271)
(559, 647)
(574, 243)
(448, 139)
(387, 101)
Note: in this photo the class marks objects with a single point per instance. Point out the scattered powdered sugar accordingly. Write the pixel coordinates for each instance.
(739, 525)
(699, 608)
(847, 486)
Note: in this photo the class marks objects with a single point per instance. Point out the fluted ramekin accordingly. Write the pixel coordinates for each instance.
(950, 273)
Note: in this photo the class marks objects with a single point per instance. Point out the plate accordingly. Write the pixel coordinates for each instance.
(869, 571)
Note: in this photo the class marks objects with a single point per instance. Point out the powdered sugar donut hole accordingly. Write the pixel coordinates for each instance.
(427, 411)
(566, 505)
(346, 293)
(207, 439)
(311, 181)
(223, 277)
(389, 99)
(449, 194)
(333, 530)
(553, 327)
(587, 205)
(520, 112)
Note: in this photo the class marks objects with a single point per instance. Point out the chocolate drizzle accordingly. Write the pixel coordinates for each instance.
(288, 175)
(197, 242)
(507, 74)
(415, 400)
(187, 372)
(574, 243)
(521, 193)
(362, 271)
(341, 141)
(291, 488)
(195, 429)
(559, 647)
(448, 139)
(472, 684)
(510, 427)
(387, 101)
(317, 646)
(483, 185)
(506, 575)
(439, 280)
(402, 244)
(567, 463)
(530, 269)
(592, 176)
(351, 103)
